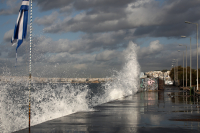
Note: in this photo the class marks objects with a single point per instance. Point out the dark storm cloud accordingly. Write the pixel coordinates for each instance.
(45, 5)
(80, 4)
(100, 22)
(181, 6)
(181, 10)
(87, 4)
(162, 58)
(88, 43)
(109, 40)
(147, 16)
(173, 30)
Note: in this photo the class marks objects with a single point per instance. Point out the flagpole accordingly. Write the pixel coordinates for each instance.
(30, 69)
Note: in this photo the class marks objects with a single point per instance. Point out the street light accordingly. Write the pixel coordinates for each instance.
(177, 68)
(186, 63)
(197, 52)
(183, 66)
(188, 22)
(174, 70)
(190, 62)
(174, 61)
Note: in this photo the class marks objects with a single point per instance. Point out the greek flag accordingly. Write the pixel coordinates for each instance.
(21, 25)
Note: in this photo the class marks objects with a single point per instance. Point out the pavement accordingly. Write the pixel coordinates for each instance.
(168, 111)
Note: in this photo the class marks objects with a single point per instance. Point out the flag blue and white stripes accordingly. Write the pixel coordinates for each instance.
(21, 25)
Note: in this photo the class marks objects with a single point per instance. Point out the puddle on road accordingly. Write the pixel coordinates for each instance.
(168, 108)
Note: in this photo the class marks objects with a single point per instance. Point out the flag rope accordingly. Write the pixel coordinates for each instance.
(16, 59)
(30, 69)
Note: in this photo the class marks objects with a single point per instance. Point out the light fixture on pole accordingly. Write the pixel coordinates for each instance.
(197, 52)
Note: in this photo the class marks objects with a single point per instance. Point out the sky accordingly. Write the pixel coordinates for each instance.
(79, 38)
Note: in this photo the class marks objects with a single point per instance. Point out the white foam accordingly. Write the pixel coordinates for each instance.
(53, 102)
(126, 81)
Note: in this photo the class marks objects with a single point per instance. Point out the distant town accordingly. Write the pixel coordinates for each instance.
(155, 74)
(54, 80)
(162, 75)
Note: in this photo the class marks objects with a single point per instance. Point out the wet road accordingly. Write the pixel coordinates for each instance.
(171, 110)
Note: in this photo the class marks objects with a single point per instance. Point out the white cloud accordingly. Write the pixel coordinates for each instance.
(152, 50)
(47, 20)
(155, 46)
(67, 9)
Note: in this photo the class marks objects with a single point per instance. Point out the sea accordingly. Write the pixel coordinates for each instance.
(53, 100)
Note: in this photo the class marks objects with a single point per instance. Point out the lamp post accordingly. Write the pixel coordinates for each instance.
(177, 70)
(183, 67)
(197, 52)
(173, 64)
(186, 63)
(174, 73)
(190, 62)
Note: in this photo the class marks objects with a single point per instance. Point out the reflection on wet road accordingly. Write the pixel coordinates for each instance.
(165, 111)
(169, 108)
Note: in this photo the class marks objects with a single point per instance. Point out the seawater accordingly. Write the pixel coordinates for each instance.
(49, 101)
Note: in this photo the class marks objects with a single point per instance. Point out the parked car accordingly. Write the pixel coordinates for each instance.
(168, 82)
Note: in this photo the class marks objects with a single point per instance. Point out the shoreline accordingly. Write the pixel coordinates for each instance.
(14, 79)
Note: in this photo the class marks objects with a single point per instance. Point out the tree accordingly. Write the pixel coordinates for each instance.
(180, 75)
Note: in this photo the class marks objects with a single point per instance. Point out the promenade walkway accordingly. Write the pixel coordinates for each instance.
(165, 111)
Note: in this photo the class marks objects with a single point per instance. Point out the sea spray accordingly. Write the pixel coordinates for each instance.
(58, 100)
(49, 101)
(125, 82)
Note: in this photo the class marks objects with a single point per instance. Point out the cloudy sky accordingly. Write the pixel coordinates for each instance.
(79, 38)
